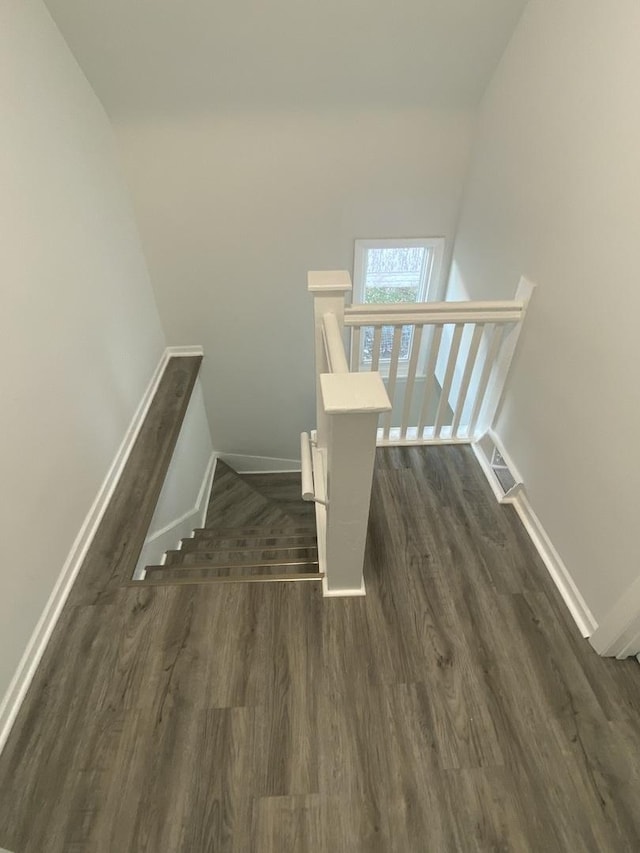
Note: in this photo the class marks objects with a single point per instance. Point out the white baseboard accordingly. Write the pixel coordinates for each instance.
(342, 593)
(560, 574)
(244, 464)
(168, 538)
(37, 644)
(177, 352)
(618, 633)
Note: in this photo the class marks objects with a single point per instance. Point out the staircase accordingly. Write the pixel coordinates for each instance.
(257, 529)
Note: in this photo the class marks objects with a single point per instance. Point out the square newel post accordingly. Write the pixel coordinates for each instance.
(353, 403)
(329, 288)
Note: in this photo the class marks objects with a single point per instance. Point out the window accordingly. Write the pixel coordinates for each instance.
(392, 271)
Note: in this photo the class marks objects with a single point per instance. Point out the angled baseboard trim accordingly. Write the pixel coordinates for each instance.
(245, 464)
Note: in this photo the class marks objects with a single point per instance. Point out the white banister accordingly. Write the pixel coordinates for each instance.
(329, 288)
(433, 313)
(337, 470)
(334, 345)
(444, 365)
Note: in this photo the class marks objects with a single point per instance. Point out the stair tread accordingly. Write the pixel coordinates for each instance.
(203, 571)
(241, 555)
(234, 541)
(257, 564)
(265, 530)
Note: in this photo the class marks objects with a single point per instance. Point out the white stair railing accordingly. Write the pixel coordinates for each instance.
(341, 452)
(444, 364)
(426, 373)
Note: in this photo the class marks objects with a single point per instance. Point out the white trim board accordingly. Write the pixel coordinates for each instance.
(342, 593)
(554, 563)
(618, 634)
(245, 464)
(169, 537)
(582, 615)
(13, 698)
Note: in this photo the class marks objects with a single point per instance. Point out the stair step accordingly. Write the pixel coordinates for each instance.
(295, 530)
(225, 556)
(208, 571)
(183, 580)
(235, 543)
(258, 563)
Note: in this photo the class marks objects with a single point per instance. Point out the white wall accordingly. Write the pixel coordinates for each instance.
(554, 193)
(182, 504)
(80, 335)
(235, 207)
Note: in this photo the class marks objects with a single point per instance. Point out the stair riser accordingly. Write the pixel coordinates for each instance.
(262, 531)
(243, 556)
(202, 543)
(156, 573)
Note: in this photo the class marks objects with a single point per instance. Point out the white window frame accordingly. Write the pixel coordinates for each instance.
(430, 286)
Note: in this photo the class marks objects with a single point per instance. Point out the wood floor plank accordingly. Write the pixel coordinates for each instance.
(454, 708)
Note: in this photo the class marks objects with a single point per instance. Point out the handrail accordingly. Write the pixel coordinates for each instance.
(308, 490)
(434, 313)
(333, 344)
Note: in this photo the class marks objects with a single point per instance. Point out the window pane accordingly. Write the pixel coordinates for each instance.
(394, 275)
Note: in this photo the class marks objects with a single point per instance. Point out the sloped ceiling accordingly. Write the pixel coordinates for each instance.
(163, 56)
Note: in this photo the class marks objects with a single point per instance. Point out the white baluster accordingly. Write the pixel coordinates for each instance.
(393, 373)
(470, 362)
(495, 338)
(416, 342)
(448, 377)
(375, 355)
(430, 378)
(355, 349)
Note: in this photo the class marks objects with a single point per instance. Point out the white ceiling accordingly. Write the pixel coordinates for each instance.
(156, 56)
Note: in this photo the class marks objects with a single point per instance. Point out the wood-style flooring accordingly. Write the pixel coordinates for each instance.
(454, 708)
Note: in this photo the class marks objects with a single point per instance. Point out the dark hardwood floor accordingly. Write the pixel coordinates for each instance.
(455, 708)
